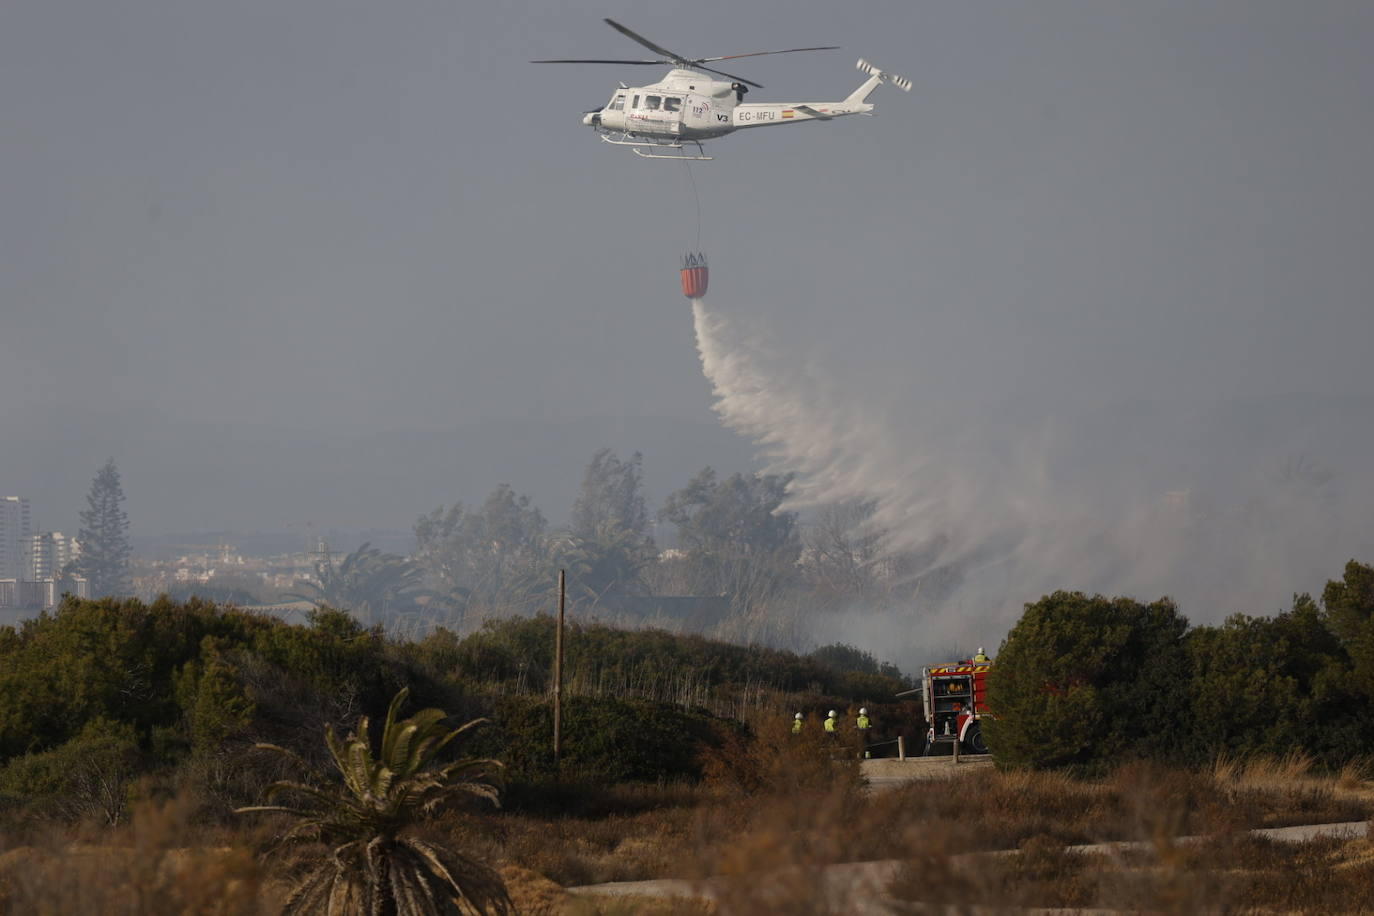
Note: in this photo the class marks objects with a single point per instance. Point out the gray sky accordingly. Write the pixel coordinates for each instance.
(290, 260)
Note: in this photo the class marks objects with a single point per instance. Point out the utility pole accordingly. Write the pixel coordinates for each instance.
(558, 670)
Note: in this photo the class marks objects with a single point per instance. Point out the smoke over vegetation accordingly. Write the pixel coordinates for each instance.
(1225, 506)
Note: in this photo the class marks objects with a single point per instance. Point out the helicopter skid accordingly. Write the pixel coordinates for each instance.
(626, 139)
(698, 158)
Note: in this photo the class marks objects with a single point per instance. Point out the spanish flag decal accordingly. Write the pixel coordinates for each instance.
(787, 112)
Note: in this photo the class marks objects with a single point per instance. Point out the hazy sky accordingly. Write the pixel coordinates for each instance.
(239, 239)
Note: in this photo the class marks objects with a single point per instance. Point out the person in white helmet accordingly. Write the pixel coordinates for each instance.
(797, 724)
(830, 726)
(863, 724)
(981, 657)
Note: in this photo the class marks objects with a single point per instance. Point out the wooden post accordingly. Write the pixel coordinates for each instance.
(956, 751)
(558, 671)
(901, 747)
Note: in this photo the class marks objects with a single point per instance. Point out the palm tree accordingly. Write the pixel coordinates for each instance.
(372, 584)
(609, 563)
(375, 866)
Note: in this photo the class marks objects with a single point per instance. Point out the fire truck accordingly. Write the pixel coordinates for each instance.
(955, 698)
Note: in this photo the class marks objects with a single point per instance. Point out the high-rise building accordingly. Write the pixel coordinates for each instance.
(14, 533)
(48, 553)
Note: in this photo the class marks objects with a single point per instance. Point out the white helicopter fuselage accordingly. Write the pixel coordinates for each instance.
(690, 106)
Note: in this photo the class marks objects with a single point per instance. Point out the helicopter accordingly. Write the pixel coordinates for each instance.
(689, 106)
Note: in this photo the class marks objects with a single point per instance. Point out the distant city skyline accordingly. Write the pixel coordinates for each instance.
(32, 561)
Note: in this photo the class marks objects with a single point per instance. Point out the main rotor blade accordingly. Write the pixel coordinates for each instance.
(707, 60)
(731, 75)
(579, 60)
(635, 36)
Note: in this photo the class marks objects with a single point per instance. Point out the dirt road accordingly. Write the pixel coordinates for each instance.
(861, 887)
(888, 772)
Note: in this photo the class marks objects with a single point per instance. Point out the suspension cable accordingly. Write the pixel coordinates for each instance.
(696, 195)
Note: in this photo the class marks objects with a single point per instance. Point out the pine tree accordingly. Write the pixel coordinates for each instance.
(104, 539)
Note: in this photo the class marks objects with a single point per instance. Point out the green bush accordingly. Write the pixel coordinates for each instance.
(517, 654)
(88, 777)
(604, 740)
(187, 677)
(1350, 616)
(1270, 685)
(1085, 681)
(214, 707)
(852, 659)
(110, 659)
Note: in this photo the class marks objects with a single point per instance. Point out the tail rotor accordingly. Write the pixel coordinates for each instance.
(900, 82)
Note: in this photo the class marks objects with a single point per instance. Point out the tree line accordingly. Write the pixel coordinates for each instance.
(733, 542)
(502, 556)
(1086, 682)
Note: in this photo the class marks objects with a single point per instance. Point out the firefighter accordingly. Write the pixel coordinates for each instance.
(830, 725)
(980, 658)
(797, 724)
(863, 724)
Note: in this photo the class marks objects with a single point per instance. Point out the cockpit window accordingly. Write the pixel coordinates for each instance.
(618, 103)
(672, 104)
(651, 102)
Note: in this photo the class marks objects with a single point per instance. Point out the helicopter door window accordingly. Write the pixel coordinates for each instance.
(618, 104)
(635, 103)
(672, 104)
(652, 102)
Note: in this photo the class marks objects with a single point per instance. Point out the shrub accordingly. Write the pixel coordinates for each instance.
(88, 777)
(1350, 616)
(1265, 685)
(844, 657)
(517, 654)
(108, 658)
(1083, 681)
(771, 759)
(604, 740)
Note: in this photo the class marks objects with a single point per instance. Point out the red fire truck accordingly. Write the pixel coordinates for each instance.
(955, 698)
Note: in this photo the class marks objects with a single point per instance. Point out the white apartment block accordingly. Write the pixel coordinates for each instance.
(40, 595)
(48, 553)
(15, 527)
(31, 564)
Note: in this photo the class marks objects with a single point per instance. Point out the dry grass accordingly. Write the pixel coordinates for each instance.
(765, 837)
(532, 893)
(1277, 792)
(638, 906)
(159, 864)
(575, 851)
(765, 827)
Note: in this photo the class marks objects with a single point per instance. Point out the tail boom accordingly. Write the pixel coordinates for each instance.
(769, 114)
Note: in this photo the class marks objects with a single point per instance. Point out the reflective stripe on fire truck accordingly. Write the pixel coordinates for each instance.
(961, 669)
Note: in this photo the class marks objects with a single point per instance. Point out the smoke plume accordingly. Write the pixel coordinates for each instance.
(1225, 507)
